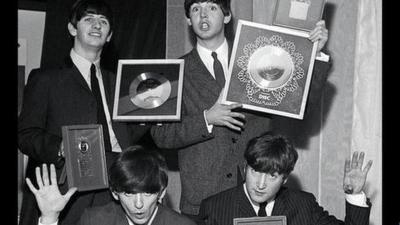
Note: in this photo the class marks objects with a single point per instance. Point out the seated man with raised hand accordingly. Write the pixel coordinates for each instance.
(138, 180)
(270, 159)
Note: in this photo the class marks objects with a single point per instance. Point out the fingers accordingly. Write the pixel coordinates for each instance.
(45, 175)
(367, 167)
(346, 166)
(354, 161)
(30, 185)
(319, 32)
(53, 175)
(70, 192)
(38, 178)
(360, 160)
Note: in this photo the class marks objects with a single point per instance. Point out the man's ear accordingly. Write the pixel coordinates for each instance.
(115, 196)
(162, 194)
(227, 18)
(72, 29)
(109, 37)
(188, 21)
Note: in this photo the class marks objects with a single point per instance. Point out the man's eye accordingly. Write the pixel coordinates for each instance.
(195, 9)
(213, 8)
(105, 22)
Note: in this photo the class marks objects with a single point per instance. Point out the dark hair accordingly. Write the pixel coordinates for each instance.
(138, 170)
(83, 7)
(225, 5)
(270, 153)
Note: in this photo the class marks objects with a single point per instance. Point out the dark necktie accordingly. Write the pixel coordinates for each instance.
(218, 70)
(101, 116)
(261, 211)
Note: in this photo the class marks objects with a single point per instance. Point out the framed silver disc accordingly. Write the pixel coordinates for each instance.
(149, 90)
(270, 67)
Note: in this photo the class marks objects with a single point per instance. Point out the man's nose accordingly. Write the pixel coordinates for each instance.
(204, 12)
(96, 23)
(138, 201)
(261, 183)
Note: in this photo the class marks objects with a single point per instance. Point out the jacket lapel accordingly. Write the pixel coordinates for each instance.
(280, 204)
(75, 74)
(201, 76)
(244, 208)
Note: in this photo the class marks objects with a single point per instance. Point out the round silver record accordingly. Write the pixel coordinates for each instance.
(270, 67)
(149, 90)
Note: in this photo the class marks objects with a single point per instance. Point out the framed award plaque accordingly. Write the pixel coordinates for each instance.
(270, 69)
(85, 159)
(148, 90)
(268, 220)
(298, 14)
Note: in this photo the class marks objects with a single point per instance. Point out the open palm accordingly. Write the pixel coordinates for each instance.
(50, 201)
(354, 176)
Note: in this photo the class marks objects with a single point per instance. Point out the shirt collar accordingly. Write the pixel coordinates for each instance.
(83, 64)
(222, 50)
(256, 207)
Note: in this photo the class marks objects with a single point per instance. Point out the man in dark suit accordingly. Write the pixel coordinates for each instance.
(270, 159)
(79, 92)
(138, 179)
(211, 136)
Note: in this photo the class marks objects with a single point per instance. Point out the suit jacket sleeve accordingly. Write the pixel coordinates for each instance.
(190, 130)
(33, 139)
(318, 80)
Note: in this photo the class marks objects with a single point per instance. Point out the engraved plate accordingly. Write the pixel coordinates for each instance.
(85, 157)
(268, 220)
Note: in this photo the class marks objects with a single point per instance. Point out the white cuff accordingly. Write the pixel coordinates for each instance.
(39, 223)
(357, 199)
(209, 127)
(322, 57)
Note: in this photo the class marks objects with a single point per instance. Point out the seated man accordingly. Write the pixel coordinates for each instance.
(270, 159)
(138, 180)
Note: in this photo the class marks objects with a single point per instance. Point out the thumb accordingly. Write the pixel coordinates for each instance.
(70, 192)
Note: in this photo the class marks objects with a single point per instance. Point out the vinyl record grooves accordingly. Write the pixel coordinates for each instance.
(149, 90)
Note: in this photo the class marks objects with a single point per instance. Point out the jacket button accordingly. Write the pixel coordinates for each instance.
(229, 175)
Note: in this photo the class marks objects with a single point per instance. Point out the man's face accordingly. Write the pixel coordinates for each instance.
(262, 186)
(207, 20)
(92, 30)
(138, 207)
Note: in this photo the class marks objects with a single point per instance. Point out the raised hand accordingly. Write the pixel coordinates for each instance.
(48, 196)
(320, 33)
(354, 176)
(222, 115)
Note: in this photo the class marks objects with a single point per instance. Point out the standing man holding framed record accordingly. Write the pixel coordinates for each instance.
(78, 92)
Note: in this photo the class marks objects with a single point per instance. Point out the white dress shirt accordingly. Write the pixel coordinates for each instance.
(205, 56)
(83, 66)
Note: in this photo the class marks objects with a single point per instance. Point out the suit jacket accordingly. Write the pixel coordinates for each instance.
(208, 162)
(113, 214)
(58, 97)
(299, 207)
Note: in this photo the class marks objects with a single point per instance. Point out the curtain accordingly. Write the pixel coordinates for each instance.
(367, 98)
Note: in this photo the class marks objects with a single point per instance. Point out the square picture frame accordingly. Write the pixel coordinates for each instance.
(298, 14)
(270, 69)
(148, 90)
(267, 220)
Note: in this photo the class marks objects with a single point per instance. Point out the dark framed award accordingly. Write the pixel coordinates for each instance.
(270, 69)
(298, 14)
(268, 220)
(148, 90)
(85, 159)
